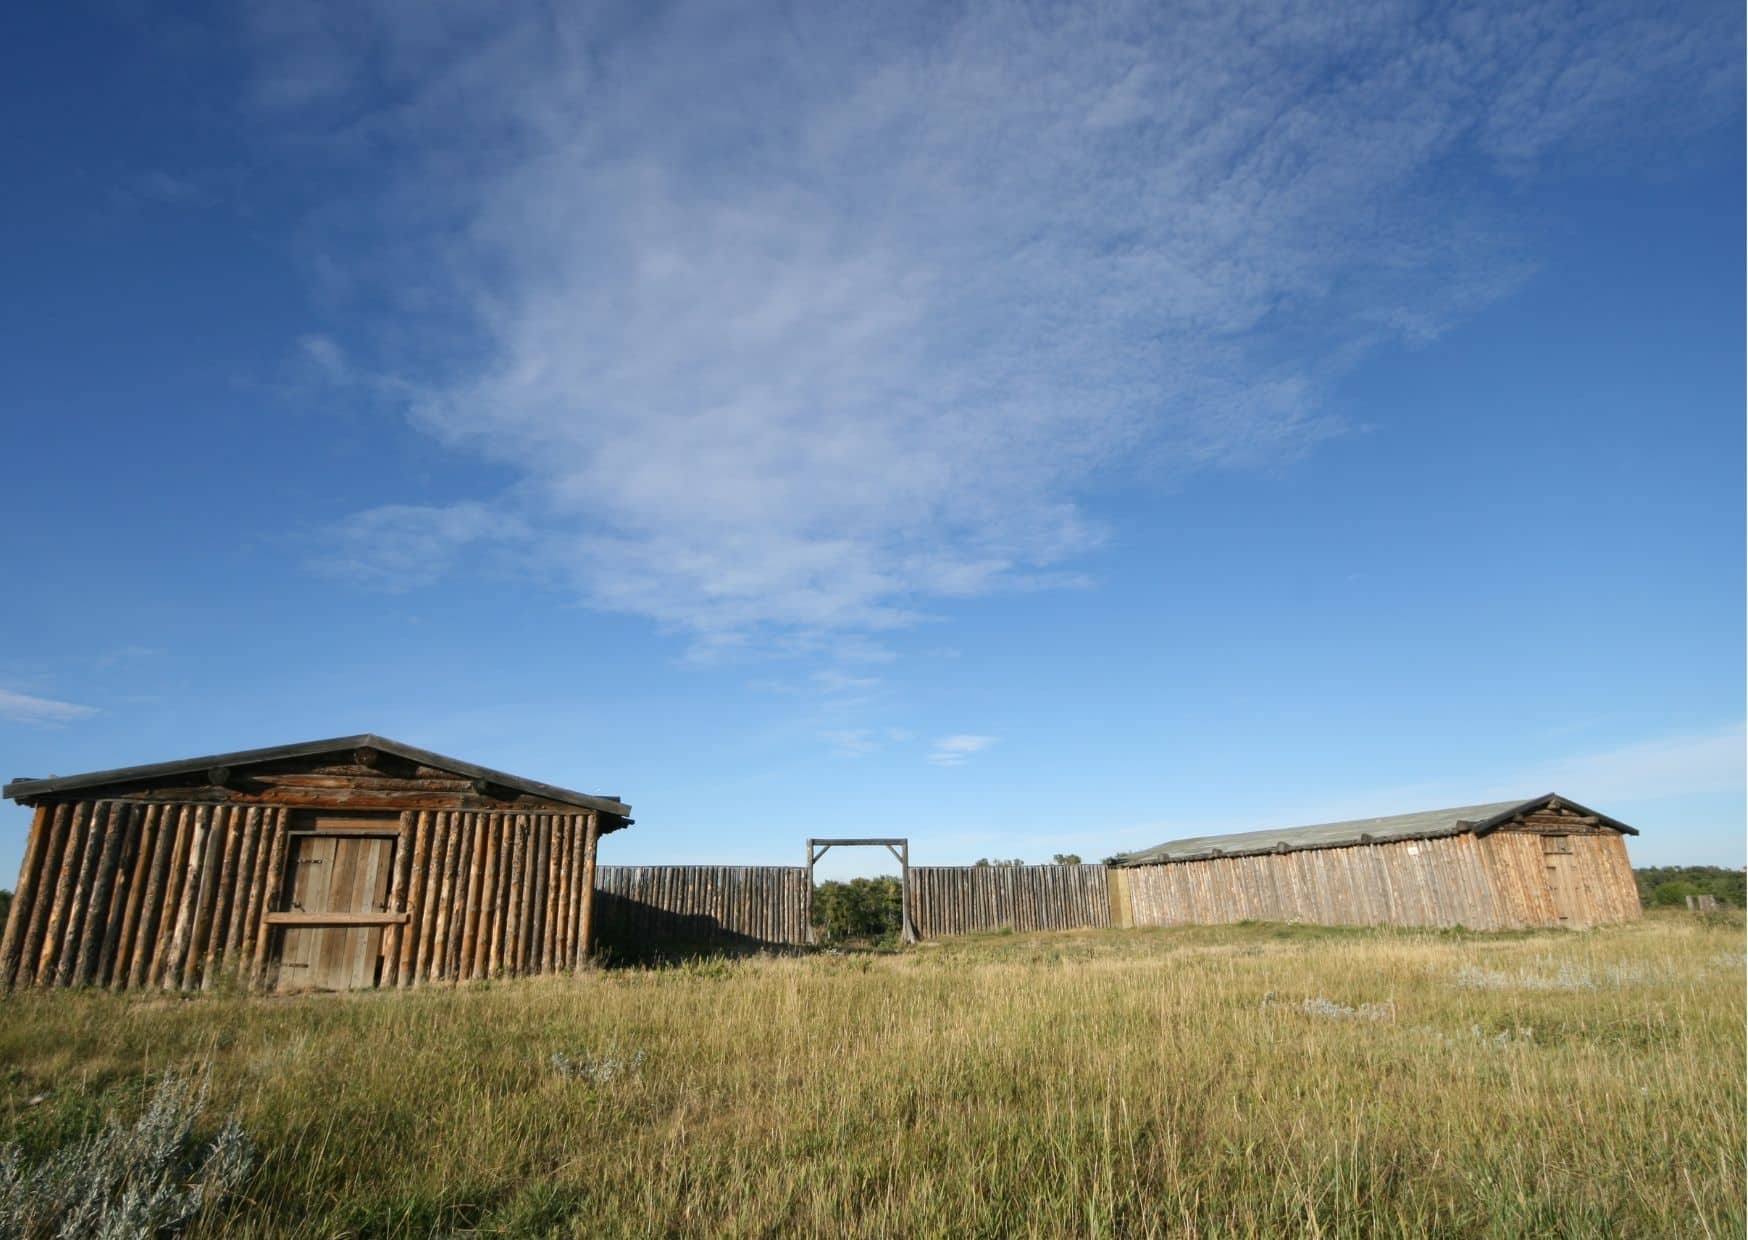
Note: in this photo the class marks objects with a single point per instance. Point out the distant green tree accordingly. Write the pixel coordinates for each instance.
(997, 861)
(1066, 858)
(1116, 859)
(1670, 884)
(861, 909)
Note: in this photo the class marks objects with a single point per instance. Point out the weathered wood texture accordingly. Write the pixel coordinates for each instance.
(965, 899)
(126, 895)
(1549, 870)
(384, 782)
(1576, 879)
(131, 894)
(722, 904)
(447, 876)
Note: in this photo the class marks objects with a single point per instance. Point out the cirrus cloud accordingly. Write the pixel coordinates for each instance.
(801, 324)
(40, 712)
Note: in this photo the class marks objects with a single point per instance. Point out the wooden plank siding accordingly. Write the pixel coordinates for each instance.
(130, 895)
(752, 906)
(967, 899)
(1599, 875)
(1502, 881)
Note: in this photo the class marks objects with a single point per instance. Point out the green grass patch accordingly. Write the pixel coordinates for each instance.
(1215, 1081)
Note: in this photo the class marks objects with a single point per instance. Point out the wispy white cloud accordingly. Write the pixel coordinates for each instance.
(165, 187)
(399, 547)
(40, 712)
(1671, 766)
(852, 742)
(124, 654)
(1663, 769)
(959, 749)
(800, 326)
(325, 356)
(860, 742)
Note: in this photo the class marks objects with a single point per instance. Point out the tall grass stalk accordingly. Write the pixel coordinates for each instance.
(1236, 1081)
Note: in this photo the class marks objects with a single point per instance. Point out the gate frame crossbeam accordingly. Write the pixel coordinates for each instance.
(899, 847)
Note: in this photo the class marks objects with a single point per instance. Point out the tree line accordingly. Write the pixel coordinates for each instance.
(1669, 885)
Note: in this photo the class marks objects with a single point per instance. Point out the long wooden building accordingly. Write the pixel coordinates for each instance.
(1546, 861)
(335, 864)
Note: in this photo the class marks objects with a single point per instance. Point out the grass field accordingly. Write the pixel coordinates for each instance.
(1248, 1080)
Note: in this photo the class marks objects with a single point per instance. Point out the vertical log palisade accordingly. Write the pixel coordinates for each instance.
(1510, 865)
(333, 864)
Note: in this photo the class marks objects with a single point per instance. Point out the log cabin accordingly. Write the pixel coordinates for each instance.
(1542, 862)
(326, 865)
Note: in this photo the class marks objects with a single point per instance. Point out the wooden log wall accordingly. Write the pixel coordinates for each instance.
(130, 895)
(1436, 882)
(133, 895)
(751, 905)
(488, 895)
(1599, 886)
(1494, 883)
(965, 899)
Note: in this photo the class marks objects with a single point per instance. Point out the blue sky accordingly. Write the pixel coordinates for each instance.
(1023, 428)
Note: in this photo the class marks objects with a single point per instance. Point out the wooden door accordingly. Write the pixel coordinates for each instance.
(341, 874)
(1562, 875)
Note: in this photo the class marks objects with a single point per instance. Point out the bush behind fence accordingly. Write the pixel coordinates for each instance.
(638, 907)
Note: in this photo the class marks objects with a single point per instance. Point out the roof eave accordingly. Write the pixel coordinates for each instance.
(1546, 800)
(1215, 854)
(1480, 828)
(26, 790)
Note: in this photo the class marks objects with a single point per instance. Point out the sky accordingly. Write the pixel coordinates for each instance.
(1025, 428)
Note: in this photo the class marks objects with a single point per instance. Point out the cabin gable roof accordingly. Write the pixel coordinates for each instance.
(28, 791)
(1423, 825)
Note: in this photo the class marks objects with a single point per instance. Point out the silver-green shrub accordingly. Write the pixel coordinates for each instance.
(127, 1180)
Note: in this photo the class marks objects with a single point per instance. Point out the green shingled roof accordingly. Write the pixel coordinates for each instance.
(1426, 824)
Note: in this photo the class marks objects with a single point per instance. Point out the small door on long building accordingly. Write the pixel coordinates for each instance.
(1562, 874)
(342, 867)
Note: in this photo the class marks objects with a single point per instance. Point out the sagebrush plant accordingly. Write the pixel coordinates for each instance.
(1095, 1083)
(129, 1179)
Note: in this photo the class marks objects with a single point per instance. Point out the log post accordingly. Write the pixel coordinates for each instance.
(500, 904)
(270, 890)
(417, 899)
(542, 879)
(397, 900)
(567, 887)
(23, 896)
(476, 873)
(436, 900)
(69, 873)
(573, 952)
(258, 894)
(79, 911)
(518, 860)
(131, 918)
(188, 906)
(230, 843)
(206, 897)
(243, 889)
(130, 828)
(590, 836)
(100, 934)
(455, 916)
(482, 947)
(175, 878)
(48, 876)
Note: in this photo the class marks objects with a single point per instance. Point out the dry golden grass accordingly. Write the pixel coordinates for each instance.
(1243, 1081)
